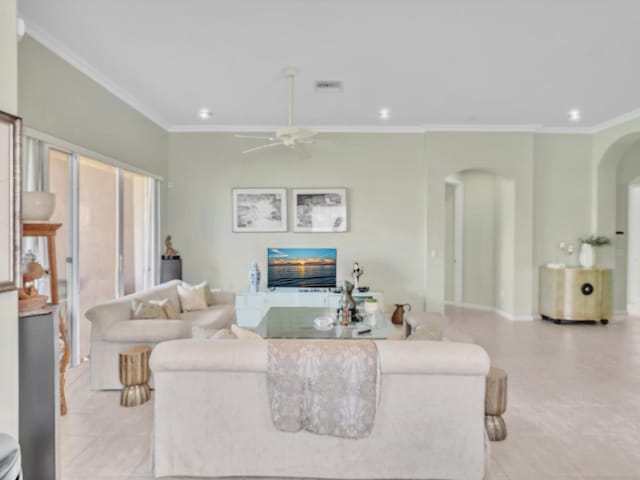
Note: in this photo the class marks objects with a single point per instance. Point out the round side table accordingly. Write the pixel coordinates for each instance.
(134, 375)
(495, 404)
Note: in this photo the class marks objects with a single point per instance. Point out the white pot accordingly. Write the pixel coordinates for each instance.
(587, 257)
(37, 206)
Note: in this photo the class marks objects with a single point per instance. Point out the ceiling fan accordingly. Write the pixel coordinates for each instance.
(288, 136)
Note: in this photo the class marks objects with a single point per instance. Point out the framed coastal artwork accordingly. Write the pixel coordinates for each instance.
(320, 210)
(10, 132)
(259, 209)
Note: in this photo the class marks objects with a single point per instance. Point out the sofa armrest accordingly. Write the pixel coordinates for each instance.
(107, 314)
(222, 297)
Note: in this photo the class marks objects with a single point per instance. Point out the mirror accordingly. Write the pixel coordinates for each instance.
(10, 133)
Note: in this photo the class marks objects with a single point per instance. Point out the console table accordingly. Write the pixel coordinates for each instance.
(251, 307)
(575, 294)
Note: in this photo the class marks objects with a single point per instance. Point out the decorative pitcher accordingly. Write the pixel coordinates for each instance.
(398, 314)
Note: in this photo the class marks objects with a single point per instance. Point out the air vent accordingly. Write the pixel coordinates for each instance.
(329, 86)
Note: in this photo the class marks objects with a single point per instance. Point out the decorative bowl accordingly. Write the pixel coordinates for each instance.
(37, 206)
(363, 289)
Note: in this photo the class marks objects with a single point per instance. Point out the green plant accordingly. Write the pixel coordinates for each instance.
(595, 240)
(371, 300)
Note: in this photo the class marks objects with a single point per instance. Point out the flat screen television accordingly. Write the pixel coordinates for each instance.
(301, 267)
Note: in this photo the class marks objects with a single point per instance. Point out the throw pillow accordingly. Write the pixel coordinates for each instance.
(168, 307)
(244, 334)
(141, 310)
(207, 291)
(192, 298)
(224, 334)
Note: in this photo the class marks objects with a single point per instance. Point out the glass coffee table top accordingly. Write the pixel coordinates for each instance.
(298, 322)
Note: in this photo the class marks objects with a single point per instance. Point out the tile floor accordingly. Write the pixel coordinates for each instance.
(573, 408)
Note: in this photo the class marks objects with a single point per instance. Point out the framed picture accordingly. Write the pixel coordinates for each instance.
(10, 133)
(320, 210)
(259, 209)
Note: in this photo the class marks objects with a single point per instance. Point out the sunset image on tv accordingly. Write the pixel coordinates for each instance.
(302, 267)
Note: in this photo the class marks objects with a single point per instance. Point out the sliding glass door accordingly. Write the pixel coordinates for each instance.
(98, 239)
(109, 238)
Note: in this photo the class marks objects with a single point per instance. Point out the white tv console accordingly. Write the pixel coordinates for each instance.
(252, 307)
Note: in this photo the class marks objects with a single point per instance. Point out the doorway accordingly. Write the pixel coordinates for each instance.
(633, 249)
(480, 240)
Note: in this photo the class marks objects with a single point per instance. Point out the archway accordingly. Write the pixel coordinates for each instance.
(616, 170)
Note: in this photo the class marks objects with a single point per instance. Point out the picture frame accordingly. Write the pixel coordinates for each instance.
(259, 210)
(10, 227)
(319, 210)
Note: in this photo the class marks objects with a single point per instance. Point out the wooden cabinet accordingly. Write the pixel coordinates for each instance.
(577, 294)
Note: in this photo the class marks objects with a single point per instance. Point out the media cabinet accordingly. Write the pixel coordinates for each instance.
(252, 307)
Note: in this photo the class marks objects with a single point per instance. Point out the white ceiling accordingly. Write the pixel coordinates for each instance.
(513, 63)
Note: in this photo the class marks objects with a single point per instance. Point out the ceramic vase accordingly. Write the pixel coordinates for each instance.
(587, 257)
(254, 277)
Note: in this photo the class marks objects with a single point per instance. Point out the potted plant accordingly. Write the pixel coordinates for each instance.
(587, 257)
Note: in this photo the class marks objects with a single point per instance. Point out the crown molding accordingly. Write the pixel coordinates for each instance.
(567, 130)
(480, 128)
(316, 128)
(79, 63)
(615, 121)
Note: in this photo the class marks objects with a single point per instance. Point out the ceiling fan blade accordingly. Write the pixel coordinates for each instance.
(268, 145)
(256, 137)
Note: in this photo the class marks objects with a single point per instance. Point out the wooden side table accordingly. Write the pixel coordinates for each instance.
(47, 230)
(495, 404)
(134, 375)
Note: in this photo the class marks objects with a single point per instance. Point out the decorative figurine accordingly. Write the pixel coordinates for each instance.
(28, 297)
(170, 252)
(254, 277)
(357, 273)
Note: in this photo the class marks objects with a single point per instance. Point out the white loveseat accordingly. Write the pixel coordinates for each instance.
(212, 416)
(112, 328)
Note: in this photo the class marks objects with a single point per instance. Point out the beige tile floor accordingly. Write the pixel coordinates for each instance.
(573, 408)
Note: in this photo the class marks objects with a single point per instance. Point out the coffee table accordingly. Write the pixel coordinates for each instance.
(297, 322)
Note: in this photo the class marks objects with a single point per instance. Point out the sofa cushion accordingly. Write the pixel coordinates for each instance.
(142, 310)
(224, 334)
(205, 323)
(192, 298)
(208, 293)
(170, 311)
(244, 334)
(147, 331)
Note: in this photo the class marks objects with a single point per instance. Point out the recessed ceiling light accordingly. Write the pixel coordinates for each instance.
(205, 113)
(575, 115)
(384, 114)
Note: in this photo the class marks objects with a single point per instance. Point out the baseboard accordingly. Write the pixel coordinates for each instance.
(502, 313)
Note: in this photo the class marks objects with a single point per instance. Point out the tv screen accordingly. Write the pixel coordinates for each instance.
(302, 267)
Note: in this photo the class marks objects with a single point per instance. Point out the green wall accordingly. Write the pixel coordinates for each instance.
(384, 175)
(57, 99)
(396, 188)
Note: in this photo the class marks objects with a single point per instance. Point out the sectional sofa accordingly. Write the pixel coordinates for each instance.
(113, 329)
(212, 416)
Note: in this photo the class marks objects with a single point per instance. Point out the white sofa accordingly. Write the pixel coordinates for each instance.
(212, 416)
(112, 328)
